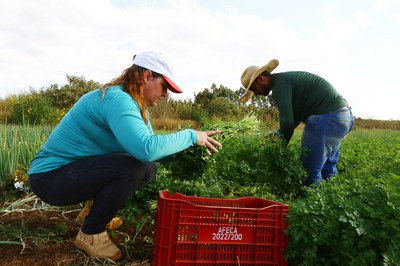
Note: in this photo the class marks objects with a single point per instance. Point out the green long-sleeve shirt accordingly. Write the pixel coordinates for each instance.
(300, 94)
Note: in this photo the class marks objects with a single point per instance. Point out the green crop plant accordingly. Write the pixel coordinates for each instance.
(18, 146)
(191, 163)
(249, 125)
(353, 218)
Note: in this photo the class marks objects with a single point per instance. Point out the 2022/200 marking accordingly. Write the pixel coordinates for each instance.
(227, 233)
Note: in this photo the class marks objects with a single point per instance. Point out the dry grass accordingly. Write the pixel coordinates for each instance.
(173, 124)
(378, 124)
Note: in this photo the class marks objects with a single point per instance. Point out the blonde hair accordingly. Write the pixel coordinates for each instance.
(131, 81)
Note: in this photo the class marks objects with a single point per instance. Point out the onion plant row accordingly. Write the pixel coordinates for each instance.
(18, 145)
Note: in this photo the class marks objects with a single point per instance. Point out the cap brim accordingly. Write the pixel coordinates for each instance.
(172, 86)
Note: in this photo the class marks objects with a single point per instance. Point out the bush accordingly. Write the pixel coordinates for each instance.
(66, 96)
(34, 110)
(184, 109)
(222, 108)
(200, 116)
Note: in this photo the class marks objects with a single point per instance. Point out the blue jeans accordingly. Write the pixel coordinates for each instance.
(320, 143)
(107, 179)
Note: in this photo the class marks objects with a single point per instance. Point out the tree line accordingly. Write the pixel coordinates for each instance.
(49, 104)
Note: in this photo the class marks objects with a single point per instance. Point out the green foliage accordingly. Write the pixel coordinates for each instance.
(352, 219)
(362, 147)
(234, 167)
(169, 108)
(258, 163)
(249, 124)
(202, 99)
(201, 116)
(223, 108)
(191, 163)
(18, 146)
(184, 108)
(245, 160)
(283, 167)
(219, 102)
(188, 164)
(6, 107)
(64, 97)
(243, 167)
(34, 110)
(164, 109)
(46, 106)
(347, 221)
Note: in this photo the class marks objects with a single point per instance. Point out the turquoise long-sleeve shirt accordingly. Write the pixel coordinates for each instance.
(113, 124)
(298, 95)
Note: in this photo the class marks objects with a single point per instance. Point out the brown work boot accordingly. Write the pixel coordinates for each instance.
(84, 212)
(115, 223)
(98, 245)
(112, 225)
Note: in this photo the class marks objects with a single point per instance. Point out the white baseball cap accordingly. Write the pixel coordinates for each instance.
(156, 62)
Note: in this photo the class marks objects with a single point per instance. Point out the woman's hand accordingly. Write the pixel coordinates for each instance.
(276, 135)
(204, 139)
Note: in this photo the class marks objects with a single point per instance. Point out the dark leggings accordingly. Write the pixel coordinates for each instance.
(106, 179)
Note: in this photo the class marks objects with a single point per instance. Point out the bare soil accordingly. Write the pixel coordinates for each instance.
(49, 240)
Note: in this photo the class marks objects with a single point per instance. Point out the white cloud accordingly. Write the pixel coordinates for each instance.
(395, 18)
(44, 40)
(383, 5)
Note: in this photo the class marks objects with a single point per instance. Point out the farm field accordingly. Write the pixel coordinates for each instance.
(352, 219)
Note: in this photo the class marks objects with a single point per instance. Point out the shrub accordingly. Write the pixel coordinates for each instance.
(200, 116)
(66, 96)
(222, 108)
(184, 109)
(34, 110)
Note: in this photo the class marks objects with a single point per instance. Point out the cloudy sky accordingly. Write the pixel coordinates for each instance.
(352, 43)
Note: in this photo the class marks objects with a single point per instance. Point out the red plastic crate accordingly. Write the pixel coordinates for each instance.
(213, 231)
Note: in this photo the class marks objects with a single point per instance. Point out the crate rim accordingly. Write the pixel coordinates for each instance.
(273, 203)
